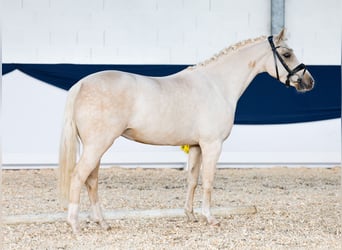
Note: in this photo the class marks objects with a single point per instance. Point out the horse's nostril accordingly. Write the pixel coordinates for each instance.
(311, 83)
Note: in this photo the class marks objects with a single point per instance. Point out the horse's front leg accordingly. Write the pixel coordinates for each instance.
(210, 155)
(92, 187)
(194, 164)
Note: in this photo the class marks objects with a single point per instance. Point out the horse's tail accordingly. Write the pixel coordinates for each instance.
(68, 146)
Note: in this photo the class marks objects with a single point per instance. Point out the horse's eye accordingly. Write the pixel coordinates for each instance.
(287, 55)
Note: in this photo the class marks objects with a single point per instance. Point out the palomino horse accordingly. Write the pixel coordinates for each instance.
(195, 107)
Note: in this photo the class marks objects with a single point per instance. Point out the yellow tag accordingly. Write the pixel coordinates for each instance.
(186, 148)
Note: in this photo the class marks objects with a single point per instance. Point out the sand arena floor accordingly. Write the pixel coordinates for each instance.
(297, 208)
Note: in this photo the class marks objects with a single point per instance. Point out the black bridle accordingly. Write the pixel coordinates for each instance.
(289, 71)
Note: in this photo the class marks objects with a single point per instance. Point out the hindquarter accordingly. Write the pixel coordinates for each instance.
(103, 104)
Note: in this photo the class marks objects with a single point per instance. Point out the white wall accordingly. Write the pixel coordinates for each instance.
(315, 30)
(159, 31)
(127, 31)
(156, 32)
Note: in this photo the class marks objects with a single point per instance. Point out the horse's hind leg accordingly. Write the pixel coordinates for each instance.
(92, 187)
(89, 161)
(194, 164)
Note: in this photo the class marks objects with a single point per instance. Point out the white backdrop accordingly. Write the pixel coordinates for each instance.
(156, 32)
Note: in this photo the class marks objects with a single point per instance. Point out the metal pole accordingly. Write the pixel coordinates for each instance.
(277, 16)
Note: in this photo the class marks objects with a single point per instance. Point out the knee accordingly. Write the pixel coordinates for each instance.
(193, 184)
(192, 180)
(78, 179)
(91, 182)
(207, 186)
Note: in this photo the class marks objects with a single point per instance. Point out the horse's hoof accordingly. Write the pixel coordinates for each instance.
(75, 226)
(213, 222)
(191, 217)
(104, 225)
(76, 230)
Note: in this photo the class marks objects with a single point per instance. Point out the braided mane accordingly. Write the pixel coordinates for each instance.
(228, 50)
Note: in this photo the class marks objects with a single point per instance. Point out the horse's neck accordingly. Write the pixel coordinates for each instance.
(234, 72)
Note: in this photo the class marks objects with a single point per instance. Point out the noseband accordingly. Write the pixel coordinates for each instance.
(289, 71)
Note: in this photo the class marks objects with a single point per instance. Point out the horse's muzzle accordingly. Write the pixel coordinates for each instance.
(305, 83)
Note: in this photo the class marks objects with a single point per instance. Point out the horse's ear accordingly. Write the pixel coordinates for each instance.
(282, 35)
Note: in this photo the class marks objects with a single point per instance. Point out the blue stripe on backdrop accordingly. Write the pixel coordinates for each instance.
(266, 101)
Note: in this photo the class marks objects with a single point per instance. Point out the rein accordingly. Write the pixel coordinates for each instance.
(289, 71)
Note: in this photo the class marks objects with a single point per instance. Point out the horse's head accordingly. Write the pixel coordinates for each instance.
(284, 65)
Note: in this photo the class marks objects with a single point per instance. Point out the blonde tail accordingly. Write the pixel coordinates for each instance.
(68, 146)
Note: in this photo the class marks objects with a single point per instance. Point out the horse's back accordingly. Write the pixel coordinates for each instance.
(108, 81)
